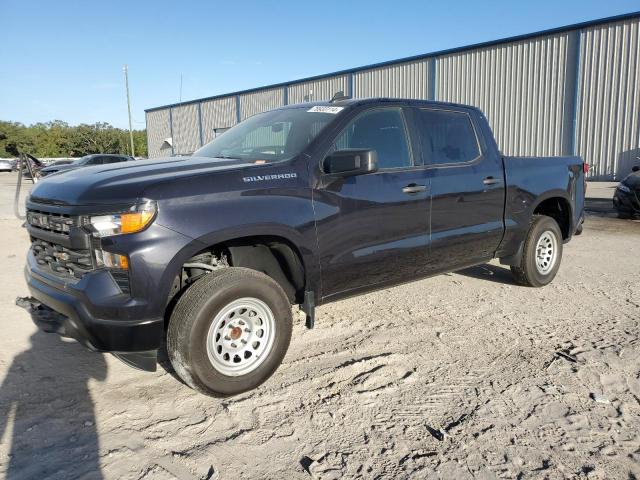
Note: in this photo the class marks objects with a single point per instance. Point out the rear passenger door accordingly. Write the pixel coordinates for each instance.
(467, 190)
(373, 229)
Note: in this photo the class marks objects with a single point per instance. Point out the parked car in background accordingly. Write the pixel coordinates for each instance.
(626, 198)
(87, 161)
(6, 165)
(61, 162)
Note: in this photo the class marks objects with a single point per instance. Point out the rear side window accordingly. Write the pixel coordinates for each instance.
(381, 130)
(446, 137)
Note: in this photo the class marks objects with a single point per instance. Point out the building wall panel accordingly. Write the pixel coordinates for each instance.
(158, 129)
(217, 113)
(402, 80)
(260, 101)
(520, 88)
(322, 89)
(186, 129)
(570, 92)
(608, 130)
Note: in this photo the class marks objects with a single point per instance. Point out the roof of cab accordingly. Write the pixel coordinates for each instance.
(352, 102)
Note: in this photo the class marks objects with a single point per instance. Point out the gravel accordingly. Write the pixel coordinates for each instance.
(464, 375)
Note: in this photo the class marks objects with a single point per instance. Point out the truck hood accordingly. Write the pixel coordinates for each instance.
(122, 183)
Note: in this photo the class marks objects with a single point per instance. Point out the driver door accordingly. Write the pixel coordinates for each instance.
(373, 229)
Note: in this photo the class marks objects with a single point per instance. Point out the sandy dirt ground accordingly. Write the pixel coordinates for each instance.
(459, 376)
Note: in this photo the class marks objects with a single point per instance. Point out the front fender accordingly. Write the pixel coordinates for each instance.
(299, 240)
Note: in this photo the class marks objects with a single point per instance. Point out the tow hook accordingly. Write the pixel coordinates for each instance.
(45, 318)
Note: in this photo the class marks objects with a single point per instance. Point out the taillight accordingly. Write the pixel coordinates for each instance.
(585, 167)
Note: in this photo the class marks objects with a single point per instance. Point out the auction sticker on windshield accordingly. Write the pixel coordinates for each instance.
(324, 109)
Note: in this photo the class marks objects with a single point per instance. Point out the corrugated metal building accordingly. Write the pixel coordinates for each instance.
(573, 90)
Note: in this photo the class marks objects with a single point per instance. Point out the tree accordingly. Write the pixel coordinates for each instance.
(51, 138)
(14, 138)
(140, 143)
(58, 139)
(96, 138)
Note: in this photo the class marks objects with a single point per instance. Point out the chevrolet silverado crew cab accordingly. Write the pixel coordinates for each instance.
(305, 204)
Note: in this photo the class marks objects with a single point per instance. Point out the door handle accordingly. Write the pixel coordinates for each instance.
(491, 181)
(413, 188)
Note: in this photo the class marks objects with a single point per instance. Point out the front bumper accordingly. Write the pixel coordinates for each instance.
(93, 311)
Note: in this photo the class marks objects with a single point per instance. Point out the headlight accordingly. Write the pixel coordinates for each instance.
(623, 188)
(135, 220)
(111, 260)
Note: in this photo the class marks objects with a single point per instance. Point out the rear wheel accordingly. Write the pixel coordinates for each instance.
(229, 331)
(541, 254)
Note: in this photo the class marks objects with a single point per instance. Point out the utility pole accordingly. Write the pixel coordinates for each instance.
(126, 82)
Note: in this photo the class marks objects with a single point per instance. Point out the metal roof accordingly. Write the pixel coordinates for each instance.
(516, 38)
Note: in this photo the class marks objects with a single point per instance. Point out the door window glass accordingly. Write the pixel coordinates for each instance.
(381, 130)
(112, 159)
(446, 137)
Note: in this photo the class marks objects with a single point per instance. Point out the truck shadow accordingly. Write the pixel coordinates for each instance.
(601, 206)
(491, 273)
(45, 402)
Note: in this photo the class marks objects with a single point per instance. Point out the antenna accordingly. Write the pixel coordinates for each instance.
(180, 98)
(338, 96)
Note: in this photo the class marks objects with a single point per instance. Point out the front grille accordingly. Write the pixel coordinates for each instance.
(52, 222)
(61, 260)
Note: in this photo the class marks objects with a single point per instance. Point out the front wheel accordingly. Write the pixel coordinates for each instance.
(541, 254)
(229, 331)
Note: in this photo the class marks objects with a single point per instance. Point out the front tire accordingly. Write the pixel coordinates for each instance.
(229, 331)
(541, 254)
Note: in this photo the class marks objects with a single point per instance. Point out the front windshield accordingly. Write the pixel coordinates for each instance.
(271, 136)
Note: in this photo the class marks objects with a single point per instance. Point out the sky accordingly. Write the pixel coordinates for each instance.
(62, 60)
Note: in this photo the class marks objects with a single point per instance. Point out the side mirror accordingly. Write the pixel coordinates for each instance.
(635, 169)
(349, 162)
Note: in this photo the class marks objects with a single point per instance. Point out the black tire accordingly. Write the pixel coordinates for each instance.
(195, 312)
(527, 272)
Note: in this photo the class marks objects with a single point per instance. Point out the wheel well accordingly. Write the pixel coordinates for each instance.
(273, 256)
(559, 209)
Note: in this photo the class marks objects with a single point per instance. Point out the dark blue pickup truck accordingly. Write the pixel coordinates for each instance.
(305, 205)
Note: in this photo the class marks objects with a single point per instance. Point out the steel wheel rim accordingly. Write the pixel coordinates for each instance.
(546, 252)
(241, 336)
